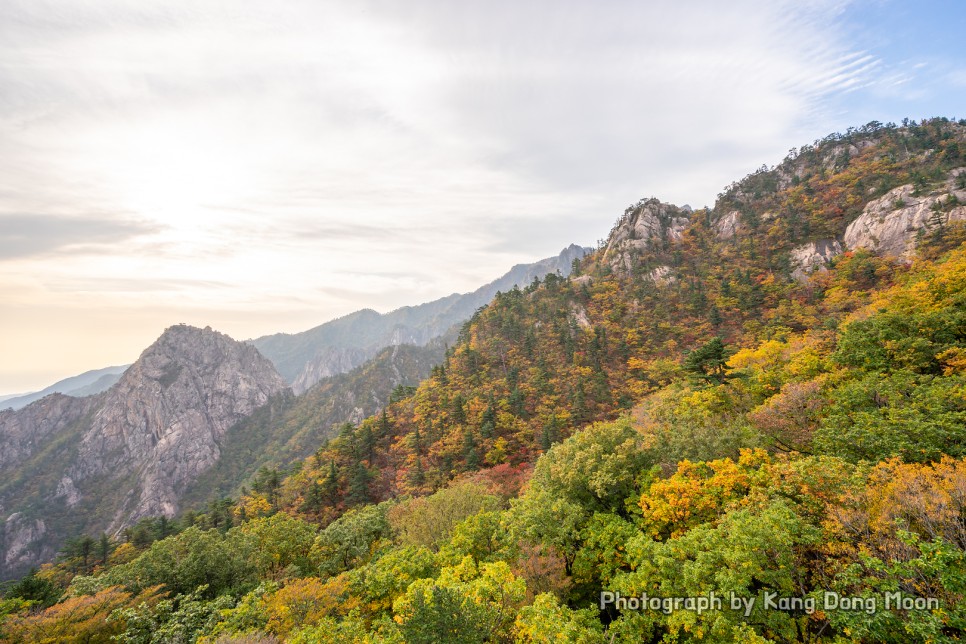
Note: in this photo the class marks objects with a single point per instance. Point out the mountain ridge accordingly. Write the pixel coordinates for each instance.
(85, 384)
(346, 342)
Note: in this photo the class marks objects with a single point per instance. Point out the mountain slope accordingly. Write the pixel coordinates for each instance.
(99, 463)
(784, 416)
(291, 427)
(344, 343)
(539, 363)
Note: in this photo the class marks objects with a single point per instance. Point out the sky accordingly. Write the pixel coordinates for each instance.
(267, 166)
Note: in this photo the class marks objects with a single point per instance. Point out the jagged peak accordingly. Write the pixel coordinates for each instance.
(648, 224)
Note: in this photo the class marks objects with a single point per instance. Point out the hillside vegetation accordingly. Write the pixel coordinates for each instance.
(694, 412)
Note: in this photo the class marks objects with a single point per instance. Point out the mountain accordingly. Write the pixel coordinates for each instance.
(344, 343)
(196, 416)
(99, 463)
(86, 384)
(787, 251)
(291, 427)
(761, 400)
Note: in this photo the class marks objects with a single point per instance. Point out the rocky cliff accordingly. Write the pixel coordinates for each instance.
(648, 225)
(292, 427)
(892, 224)
(100, 463)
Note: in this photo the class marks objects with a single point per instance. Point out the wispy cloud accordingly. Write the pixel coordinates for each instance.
(43, 235)
(293, 159)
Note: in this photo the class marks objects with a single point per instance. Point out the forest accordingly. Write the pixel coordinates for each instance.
(690, 421)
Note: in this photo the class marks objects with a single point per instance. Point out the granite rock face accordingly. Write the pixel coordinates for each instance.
(331, 361)
(108, 460)
(891, 224)
(813, 256)
(727, 227)
(649, 225)
(21, 540)
(24, 432)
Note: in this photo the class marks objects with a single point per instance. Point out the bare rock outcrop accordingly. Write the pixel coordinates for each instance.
(892, 224)
(331, 361)
(22, 434)
(813, 256)
(21, 542)
(727, 227)
(649, 225)
(662, 275)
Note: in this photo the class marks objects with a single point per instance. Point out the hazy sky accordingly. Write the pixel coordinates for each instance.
(266, 166)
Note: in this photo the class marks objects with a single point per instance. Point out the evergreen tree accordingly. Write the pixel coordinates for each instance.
(708, 361)
(470, 455)
(358, 492)
(330, 487)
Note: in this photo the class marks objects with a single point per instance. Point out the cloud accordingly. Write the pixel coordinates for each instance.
(24, 236)
(112, 285)
(296, 159)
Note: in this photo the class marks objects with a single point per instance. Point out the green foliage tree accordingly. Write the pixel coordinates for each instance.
(352, 539)
(708, 361)
(429, 521)
(37, 590)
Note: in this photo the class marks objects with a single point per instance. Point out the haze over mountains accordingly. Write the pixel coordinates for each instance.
(86, 384)
(342, 344)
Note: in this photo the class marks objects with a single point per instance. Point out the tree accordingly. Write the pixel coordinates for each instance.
(708, 362)
(35, 589)
(465, 603)
(352, 539)
(470, 454)
(267, 482)
(103, 549)
(359, 479)
(281, 545)
(546, 622)
(429, 521)
(192, 558)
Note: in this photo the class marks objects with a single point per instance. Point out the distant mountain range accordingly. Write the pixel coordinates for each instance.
(347, 342)
(86, 384)
(341, 345)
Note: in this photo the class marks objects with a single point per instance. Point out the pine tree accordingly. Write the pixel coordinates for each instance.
(385, 427)
(708, 361)
(330, 486)
(358, 492)
(367, 443)
(470, 455)
(103, 548)
(417, 477)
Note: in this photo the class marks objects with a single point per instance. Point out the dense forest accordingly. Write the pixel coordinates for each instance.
(684, 416)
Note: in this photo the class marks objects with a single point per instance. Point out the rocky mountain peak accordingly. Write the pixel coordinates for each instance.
(648, 225)
(130, 451)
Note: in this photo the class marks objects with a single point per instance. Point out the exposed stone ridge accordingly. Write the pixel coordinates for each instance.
(331, 361)
(167, 414)
(650, 224)
(891, 224)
